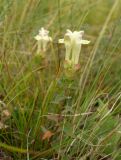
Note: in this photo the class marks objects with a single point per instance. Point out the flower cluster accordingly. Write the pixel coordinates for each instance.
(43, 39)
(72, 40)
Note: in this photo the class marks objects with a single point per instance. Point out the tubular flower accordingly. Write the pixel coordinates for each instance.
(43, 39)
(73, 42)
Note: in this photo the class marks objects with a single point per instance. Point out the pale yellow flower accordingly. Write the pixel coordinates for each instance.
(73, 42)
(43, 40)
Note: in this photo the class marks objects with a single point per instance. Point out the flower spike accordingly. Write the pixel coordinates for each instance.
(73, 42)
(43, 39)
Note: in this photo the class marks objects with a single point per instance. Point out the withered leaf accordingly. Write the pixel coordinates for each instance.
(47, 135)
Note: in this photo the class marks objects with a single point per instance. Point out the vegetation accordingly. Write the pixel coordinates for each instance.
(47, 110)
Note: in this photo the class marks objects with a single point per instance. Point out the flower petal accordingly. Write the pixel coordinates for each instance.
(61, 41)
(37, 37)
(84, 42)
(81, 32)
(76, 53)
(69, 31)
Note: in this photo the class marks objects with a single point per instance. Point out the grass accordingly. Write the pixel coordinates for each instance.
(44, 113)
